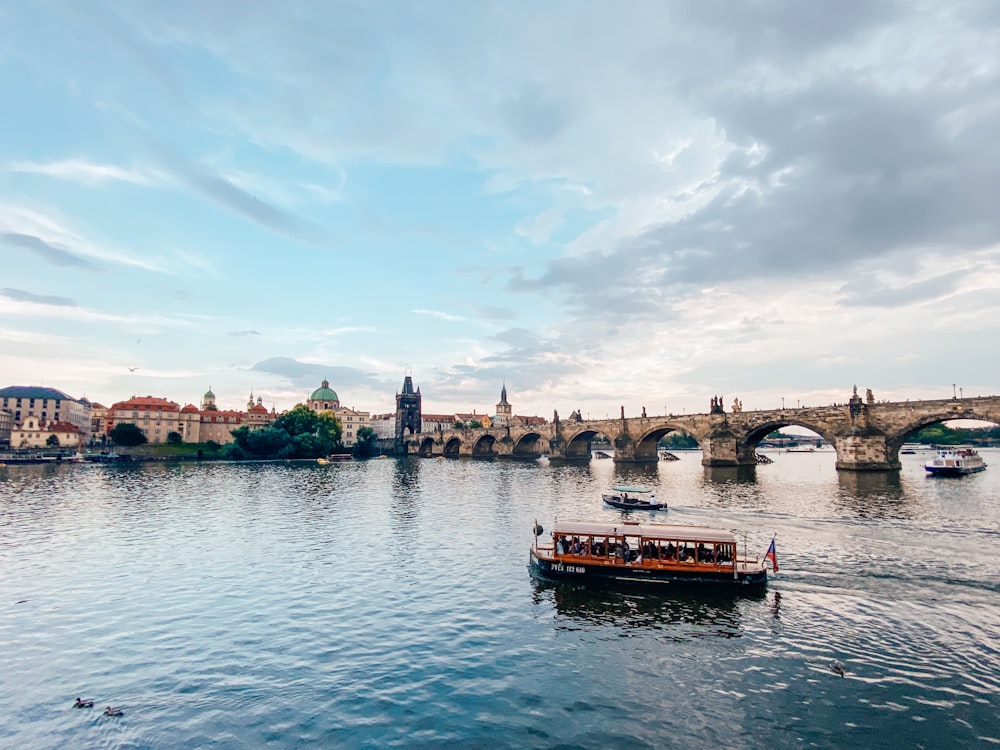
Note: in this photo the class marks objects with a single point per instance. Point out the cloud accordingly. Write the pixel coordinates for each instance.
(225, 193)
(21, 296)
(310, 375)
(245, 333)
(869, 291)
(80, 170)
(50, 253)
(437, 314)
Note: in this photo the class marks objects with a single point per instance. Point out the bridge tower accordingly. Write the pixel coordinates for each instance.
(504, 410)
(408, 404)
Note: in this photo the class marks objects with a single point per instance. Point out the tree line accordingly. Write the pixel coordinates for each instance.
(299, 433)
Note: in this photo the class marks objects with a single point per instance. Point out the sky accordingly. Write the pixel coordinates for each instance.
(598, 205)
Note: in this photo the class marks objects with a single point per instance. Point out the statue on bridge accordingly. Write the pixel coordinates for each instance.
(717, 405)
(576, 416)
(737, 406)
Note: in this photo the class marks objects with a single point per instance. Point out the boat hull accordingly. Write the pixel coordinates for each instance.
(954, 471)
(583, 572)
(621, 505)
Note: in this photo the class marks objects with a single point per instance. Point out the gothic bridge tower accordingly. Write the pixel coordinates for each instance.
(407, 411)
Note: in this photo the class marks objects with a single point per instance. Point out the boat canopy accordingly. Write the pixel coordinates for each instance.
(672, 532)
(638, 488)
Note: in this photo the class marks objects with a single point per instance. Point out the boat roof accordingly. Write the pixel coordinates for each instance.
(670, 531)
(630, 488)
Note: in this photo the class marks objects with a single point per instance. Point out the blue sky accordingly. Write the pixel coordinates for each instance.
(602, 205)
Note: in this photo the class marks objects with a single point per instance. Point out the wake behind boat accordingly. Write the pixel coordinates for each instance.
(955, 462)
(632, 497)
(648, 553)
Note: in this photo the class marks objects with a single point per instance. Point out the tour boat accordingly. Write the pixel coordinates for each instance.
(954, 462)
(628, 497)
(644, 553)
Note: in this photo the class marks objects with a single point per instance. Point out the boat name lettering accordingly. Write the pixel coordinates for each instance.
(562, 568)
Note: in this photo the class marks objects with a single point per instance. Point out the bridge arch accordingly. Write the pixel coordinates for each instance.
(483, 447)
(646, 445)
(528, 445)
(895, 440)
(578, 444)
(426, 449)
(452, 448)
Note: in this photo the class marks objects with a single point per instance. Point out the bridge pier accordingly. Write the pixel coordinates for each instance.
(724, 449)
(865, 453)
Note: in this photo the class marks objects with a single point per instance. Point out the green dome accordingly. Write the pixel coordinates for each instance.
(209, 394)
(324, 393)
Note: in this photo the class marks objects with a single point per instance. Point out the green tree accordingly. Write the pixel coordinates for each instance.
(127, 435)
(299, 433)
(366, 445)
(52, 441)
(174, 438)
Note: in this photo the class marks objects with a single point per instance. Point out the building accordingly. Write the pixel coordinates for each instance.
(504, 410)
(6, 424)
(156, 417)
(325, 399)
(437, 422)
(408, 406)
(31, 432)
(98, 421)
(468, 420)
(210, 423)
(383, 425)
(47, 404)
(257, 416)
(351, 421)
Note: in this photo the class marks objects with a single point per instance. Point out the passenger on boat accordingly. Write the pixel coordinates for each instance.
(577, 547)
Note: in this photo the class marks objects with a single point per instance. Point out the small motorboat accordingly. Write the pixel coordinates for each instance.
(632, 497)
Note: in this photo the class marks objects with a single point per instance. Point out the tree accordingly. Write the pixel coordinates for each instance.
(366, 445)
(127, 435)
(174, 438)
(299, 433)
(52, 441)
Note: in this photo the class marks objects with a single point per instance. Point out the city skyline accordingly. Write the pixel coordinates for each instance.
(642, 206)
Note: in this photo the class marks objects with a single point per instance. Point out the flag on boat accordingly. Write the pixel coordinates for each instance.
(773, 554)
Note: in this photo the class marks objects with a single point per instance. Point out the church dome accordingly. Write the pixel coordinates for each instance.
(324, 393)
(208, 393)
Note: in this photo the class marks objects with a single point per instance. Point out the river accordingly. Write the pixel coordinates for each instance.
(387, 604)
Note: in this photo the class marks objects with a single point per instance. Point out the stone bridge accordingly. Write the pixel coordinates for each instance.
(866, 435)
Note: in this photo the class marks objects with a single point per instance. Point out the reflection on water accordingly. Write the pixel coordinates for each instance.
(873, 494)
(730, 474)
(387, 604)
(596, 605)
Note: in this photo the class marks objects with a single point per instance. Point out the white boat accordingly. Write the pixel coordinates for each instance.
(954, 462)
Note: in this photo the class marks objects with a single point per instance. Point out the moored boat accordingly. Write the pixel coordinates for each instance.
(632, 497)
(648, 553)
(955, 462)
